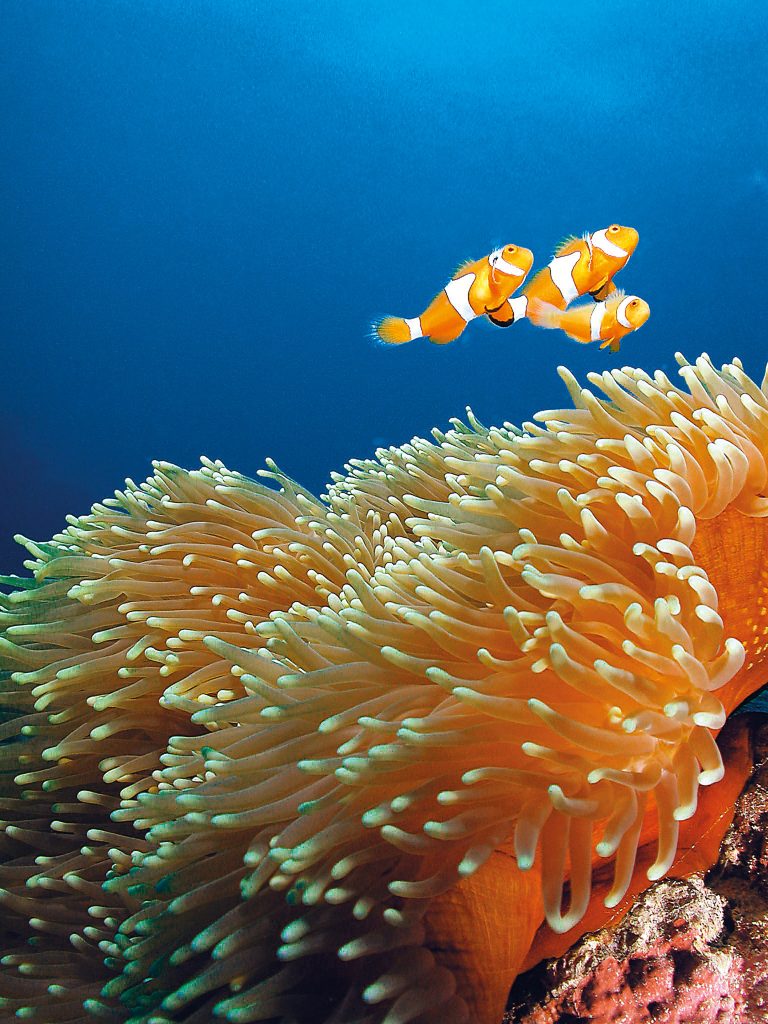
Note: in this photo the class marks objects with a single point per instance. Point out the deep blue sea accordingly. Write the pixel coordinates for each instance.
(203, 205)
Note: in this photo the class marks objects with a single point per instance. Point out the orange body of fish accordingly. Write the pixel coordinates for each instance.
(476, 288)
(580, 266)
(606, 322)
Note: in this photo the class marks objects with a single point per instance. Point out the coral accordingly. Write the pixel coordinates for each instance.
(269, 757)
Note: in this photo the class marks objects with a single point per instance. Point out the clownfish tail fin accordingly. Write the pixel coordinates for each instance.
(395, 330)
(543, 314)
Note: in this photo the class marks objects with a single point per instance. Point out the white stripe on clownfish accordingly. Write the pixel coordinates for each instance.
(457, 293)
(601, 241)
(414, 327)
(621, 311)
(596, 321)
(561, 270)
(498, 262)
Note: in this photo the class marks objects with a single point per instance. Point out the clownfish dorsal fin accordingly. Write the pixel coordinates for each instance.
(462, 268)
(614, 298)
(569, 244)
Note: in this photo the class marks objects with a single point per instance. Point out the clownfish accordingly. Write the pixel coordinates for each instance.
(477, 287)
(580, 266)
(607, 322)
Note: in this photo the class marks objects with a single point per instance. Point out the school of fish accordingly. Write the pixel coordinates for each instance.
(580, 267)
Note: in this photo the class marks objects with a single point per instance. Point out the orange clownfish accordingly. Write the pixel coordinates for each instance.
(580, 266)
(607, 322)
(477, 287)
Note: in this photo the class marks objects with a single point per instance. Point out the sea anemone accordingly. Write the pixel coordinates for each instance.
(256, 744)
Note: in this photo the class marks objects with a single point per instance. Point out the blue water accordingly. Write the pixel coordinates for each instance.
(204, 204)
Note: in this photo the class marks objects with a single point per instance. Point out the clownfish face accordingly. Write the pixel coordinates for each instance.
(622, 237)
(636, 311)
(512, 259)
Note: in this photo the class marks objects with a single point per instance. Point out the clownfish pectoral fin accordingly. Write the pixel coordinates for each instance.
(601, 293)
(501, 316)
(395, 330)
(613, 343)
(462, 268)
(509, 312)
(544, 314)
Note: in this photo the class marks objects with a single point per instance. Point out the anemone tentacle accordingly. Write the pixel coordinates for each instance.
(261, 734)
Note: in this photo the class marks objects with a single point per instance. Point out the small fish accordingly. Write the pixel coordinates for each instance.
(607, 322)
(580, 266)
(477, 287)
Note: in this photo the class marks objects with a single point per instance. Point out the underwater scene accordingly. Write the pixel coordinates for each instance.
(384, 558)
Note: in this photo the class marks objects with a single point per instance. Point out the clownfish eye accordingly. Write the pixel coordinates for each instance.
(633, 302)
(510, 249)
(614, 228)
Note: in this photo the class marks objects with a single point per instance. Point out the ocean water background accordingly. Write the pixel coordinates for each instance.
(204, 204)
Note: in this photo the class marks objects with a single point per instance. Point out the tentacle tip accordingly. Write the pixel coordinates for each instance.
(374, 994)
(655, 872)
(561, 925)
(684, 813)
